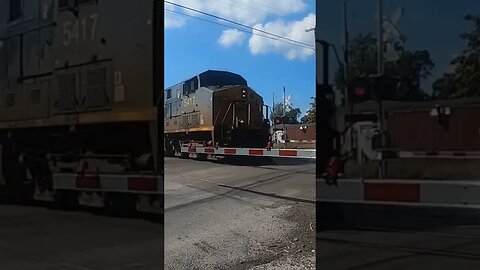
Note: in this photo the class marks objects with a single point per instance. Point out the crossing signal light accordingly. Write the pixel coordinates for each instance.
(278, 120)
(360, 90)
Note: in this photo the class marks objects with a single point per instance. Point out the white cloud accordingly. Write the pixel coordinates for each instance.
(231, 37)
(261, 14)
(294, 30)
(173, 21)
(248, 12)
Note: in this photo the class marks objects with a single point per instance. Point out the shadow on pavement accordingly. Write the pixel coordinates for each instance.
(263, 161)
(10, 199)
(349, 216)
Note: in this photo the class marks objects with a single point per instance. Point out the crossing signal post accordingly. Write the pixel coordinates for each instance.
(376, 88)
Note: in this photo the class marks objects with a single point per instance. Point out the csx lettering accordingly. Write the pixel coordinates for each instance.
(80, 29)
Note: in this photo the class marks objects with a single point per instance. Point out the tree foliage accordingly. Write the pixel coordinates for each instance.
(464, 81)
(410, 68)
(311, 115)
(291, 115)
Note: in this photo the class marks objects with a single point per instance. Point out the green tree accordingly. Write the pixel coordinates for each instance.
(464, 81)
(411, 67)
(311, 115)
(290, 116)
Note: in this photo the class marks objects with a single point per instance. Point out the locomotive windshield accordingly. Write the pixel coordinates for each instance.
(220, 78)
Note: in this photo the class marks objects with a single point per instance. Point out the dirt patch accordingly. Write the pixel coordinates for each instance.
(302, 239)
(297, 250)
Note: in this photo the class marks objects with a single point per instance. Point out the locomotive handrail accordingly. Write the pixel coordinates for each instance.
(225, 116)
(216, 118)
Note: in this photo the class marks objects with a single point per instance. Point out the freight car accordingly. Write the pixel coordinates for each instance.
(77, 87)
(215, 108)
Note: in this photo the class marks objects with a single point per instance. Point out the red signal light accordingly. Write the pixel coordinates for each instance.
(360, 91)
(278, 120)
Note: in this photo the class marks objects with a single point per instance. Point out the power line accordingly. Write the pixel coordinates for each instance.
(243, 30)
(237, 23)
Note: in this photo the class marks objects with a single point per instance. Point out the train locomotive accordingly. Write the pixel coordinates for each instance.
(214, 108)
(71, 89)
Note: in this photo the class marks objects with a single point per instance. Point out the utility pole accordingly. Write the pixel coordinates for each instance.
(273, 107)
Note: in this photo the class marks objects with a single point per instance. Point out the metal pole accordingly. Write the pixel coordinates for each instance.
(346, 71)
(380, 38)
(380, 69)
(284, 114)
(273, 109)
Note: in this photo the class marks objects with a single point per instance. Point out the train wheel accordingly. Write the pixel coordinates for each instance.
(40, 175)
(169, 149)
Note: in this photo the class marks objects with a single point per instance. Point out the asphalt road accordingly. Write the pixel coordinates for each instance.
(386, 237)
(221, 216)
(39, 238)
(217, 216)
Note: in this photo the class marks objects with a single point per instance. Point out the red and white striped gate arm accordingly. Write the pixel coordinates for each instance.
(405, 192)
(259, 152)
(148, 184)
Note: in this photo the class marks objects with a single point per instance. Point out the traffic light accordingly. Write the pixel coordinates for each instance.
(360, 89)
(278, 120)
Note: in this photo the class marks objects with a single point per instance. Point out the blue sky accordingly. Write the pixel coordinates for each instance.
(193, 46)
(434, 25)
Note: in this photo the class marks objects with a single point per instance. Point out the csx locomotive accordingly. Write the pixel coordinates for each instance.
(214, 108)
(76, 79)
